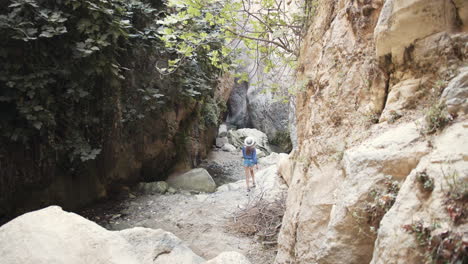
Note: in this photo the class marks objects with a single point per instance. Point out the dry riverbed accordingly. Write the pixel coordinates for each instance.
(201, 220)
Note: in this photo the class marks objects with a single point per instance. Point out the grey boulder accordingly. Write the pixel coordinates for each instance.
(52, 235)
(193, 180)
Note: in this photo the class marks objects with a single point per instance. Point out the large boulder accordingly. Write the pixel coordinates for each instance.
(193, 180)
(228, 148)
(272, 159)
(401, 22)
(52, 236)
(237, 137)
(220, 141)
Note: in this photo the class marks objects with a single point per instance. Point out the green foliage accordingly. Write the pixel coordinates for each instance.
(380, 200)
(427, 182)
(456, 192)
(211, 112)
(64, 76)
(445, 247)
(264, 27)
(436, 118)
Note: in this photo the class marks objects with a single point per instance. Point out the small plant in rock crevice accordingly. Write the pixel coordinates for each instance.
(427, 182)
(372, 117)
(379, 203)
(436, 118)
(394, 116)
(446, 247)
(456, 192)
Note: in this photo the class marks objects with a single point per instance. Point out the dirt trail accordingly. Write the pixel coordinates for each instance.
(198, 219)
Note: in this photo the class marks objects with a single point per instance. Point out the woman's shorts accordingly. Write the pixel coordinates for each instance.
(248, 163)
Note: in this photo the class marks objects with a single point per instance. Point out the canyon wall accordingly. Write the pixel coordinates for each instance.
(381, 152)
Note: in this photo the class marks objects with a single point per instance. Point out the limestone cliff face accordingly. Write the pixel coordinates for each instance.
(373, 70)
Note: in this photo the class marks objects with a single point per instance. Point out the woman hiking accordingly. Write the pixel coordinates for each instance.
(249, 153)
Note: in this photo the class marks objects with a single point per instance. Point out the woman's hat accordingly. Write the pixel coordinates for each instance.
(249, 141)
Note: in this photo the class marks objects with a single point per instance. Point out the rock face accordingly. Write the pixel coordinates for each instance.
(237, 106)
(260, 101)
(128, 156)
(193, 180)
(447, 165)
(374, 70)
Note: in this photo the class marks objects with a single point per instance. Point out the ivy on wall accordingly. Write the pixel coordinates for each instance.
(65, 68)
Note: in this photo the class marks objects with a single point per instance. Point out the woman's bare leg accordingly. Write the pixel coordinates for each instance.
(247, 171)
(252, 175)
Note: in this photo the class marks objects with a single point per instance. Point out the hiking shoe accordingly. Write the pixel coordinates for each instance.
(253, 186)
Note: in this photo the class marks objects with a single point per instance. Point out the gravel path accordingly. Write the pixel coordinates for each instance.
(198, 219)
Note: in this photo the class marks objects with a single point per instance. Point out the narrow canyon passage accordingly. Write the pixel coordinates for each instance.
(201, 220)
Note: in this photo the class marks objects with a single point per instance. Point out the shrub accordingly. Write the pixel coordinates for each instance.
(261, 218)
(372, 117)
(427, 182)
(456, 203)
(394, 116)
(436, 118)
(378, 204)
(439, 248)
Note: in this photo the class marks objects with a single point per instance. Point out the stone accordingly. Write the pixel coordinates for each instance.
(153, 187)
(402, 22)
(51, 235)
(260, 154)
(222, 130)
(237, 105)
(285, 168)
(228, 148)
(193, 180)
(455, 96)
(237, 137)
(229, 258)
(272, 159)
(448, 157)
(171, 190)
(220, 141)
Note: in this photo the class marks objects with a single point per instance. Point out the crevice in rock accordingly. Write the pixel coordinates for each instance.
(458, 20)
(387, 63)
(408, 54)
(165, 252)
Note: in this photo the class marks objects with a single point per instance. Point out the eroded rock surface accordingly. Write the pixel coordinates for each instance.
(374, 70)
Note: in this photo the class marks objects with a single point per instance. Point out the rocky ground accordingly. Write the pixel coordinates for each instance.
(200, 220)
